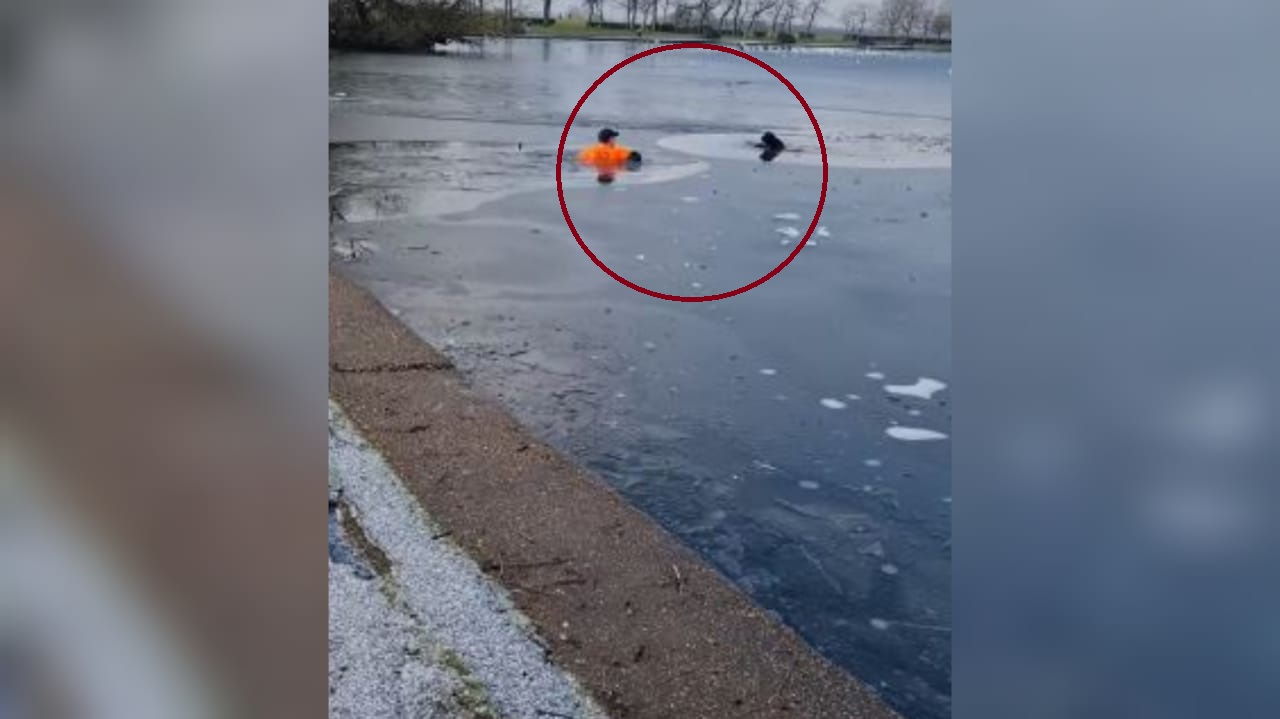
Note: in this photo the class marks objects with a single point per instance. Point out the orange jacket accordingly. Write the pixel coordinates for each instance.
(604, 156)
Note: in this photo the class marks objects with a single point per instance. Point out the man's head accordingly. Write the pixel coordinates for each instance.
(604, 178)
(606, 135)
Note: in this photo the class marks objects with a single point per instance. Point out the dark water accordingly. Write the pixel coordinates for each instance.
(731, 422)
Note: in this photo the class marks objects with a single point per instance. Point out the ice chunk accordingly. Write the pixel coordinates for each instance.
(924, 388)
(832, 403)
(786, 216)
(913, 434)
(875, 549)
(875, 375)
(807, 484)
(768, 372)
(788, 231)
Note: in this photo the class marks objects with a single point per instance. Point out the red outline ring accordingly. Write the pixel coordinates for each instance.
(564, 136)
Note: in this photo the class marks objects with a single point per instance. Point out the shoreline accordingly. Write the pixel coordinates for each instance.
(642, 622)
(738, 43)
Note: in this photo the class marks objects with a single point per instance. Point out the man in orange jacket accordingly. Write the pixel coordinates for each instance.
(607, 156)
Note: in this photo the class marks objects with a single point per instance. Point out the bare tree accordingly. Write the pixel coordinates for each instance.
(789, 10)
(914, 15)
(900, 17)
(546, 12)
(855, 19)
(758, 9)
(704, 10)
(783, 13)
(632, 10)
(726, 9)
(941, 25)
(924, 20)
(811, 10)
(740, 8)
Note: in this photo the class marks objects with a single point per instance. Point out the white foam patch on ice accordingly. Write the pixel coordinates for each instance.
(924, 388)
(832, 403)
(914, 434)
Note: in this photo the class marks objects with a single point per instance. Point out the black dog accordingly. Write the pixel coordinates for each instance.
(771, 145)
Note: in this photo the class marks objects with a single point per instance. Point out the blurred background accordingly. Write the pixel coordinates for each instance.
(162, 318)
(1115, 454)
(162, 325)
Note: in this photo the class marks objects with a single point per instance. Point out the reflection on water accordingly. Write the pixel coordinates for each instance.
(756, 429)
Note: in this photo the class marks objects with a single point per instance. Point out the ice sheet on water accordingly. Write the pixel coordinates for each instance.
(832, 403)
(924, 388)
(914, 434)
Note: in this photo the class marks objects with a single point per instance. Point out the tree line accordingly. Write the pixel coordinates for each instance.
(893, 18)
(418, 25)
(414, 25)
